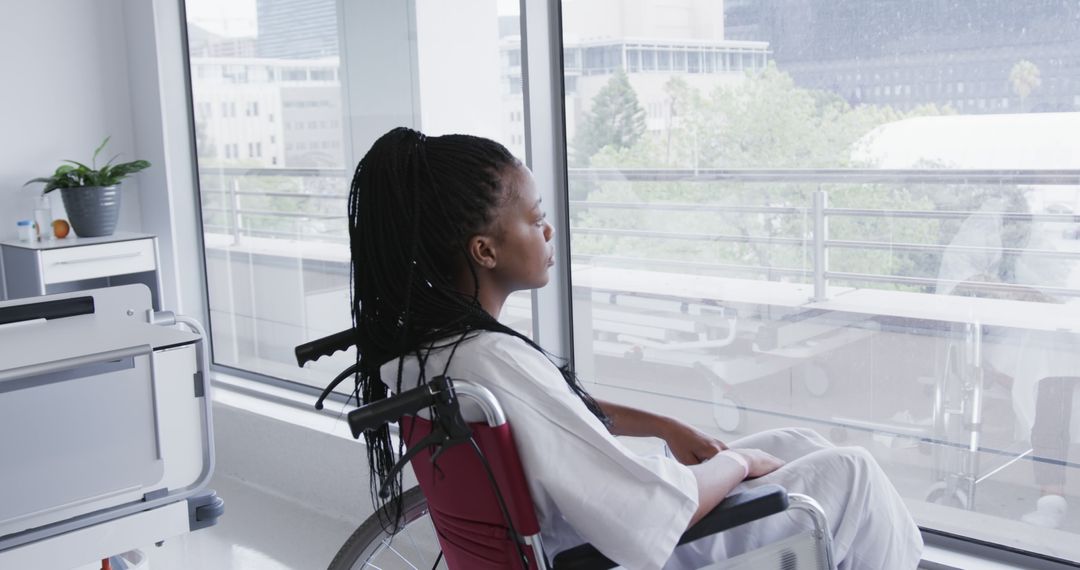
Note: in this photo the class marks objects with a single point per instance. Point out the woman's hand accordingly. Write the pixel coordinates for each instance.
(688, 445)
(761, 463)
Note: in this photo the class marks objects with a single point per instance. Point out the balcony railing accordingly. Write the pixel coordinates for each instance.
(236, 220)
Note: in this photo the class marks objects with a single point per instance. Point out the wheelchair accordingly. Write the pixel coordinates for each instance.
(472, 508)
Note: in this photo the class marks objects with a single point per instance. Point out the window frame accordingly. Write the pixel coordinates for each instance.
(545, 138)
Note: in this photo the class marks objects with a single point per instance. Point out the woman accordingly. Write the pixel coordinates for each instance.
(443, 230)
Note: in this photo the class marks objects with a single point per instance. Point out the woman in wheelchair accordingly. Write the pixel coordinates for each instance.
(443, 230)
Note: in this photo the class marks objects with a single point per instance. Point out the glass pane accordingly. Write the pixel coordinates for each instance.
(817, 231)
(279, 129)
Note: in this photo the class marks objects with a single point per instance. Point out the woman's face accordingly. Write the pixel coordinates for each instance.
(523, 242)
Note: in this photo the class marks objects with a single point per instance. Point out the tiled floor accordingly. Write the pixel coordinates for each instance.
(261, 531)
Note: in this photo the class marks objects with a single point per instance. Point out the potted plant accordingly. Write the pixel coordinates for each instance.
(91, 195)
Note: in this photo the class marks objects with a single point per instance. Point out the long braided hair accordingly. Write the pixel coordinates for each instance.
(414, 203)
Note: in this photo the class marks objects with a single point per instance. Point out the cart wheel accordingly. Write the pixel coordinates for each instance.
(728, 414)
(816, 380)
(939, 495)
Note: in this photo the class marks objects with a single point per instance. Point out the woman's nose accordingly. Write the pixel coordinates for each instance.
(549, 231)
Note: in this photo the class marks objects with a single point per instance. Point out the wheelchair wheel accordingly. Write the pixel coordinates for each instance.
(414, 546)
(728, 414)
(939, 494)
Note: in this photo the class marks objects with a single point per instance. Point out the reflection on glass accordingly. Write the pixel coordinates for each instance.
(270, 137)
(277, 138)
(859, 217)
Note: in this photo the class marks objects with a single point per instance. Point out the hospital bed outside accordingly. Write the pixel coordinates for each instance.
(795, 328)
(108, 437)
(956, 422)
(461, 474)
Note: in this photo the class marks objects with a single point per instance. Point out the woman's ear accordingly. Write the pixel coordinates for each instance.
(482, 251)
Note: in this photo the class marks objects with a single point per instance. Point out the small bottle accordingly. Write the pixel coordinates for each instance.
(43, 218)
(26, 230)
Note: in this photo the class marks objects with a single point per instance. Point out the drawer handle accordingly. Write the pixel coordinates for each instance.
(99, 258)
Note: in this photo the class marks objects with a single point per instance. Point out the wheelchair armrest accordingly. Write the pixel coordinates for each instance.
(739, 509)
(733, 511)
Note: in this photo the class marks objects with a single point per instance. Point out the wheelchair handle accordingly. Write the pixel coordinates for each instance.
(325, 346)
(375, 414)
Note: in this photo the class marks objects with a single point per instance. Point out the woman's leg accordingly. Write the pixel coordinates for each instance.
(870, 525)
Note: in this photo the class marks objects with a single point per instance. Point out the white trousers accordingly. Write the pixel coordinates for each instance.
(870, 525)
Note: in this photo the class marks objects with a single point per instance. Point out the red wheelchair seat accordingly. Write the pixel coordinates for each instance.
(463, 503)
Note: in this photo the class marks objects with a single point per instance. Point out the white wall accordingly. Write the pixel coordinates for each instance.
(63, 65)
(76, 71)
(459, 73)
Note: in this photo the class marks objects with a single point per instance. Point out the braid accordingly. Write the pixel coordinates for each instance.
(413, 205)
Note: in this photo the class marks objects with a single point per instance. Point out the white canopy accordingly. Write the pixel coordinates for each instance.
(1020, 141)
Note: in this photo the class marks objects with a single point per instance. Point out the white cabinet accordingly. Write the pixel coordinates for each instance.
(72, 264)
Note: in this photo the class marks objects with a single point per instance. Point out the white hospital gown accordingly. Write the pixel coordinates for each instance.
(588, 487)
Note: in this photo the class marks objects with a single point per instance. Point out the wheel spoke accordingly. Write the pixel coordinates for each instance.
(416, 548)
(371, 546)
(374, 555)
(406, 560)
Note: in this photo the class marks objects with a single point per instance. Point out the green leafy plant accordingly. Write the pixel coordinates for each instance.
(78, 175)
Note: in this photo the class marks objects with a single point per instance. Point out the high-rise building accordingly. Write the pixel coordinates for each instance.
(262, 112)
(905, 53)
(652, 44)
(297, 29)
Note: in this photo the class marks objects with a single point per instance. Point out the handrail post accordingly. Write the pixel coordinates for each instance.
(821, 254)
(233, 205)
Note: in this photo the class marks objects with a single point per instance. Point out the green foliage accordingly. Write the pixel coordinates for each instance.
(767, 121)
(78, 175)
(615, 119)
(1024, 77)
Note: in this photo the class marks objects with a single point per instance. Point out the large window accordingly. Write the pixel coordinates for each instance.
(287, 96)
(855, 216)
(861, 217)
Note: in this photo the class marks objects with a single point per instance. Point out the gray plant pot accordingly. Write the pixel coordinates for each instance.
(92, 210)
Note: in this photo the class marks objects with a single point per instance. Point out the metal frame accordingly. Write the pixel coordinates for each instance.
(837, 175)
(545, 149)
(808, 505)
(494, 416)
(493, 412)
(554, 331)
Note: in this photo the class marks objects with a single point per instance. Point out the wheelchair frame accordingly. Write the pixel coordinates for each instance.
(442, 394)
(735, 510)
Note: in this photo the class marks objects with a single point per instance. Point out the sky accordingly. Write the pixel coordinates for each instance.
(238, 17)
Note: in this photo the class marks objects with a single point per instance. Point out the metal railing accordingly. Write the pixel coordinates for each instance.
(817, 214)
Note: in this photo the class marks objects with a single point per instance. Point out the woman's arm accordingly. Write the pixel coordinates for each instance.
(687, 444)
(632, 421)
(716, 478)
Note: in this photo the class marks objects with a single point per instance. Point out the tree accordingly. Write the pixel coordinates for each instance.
(615, 119)
(1024, 78)
(765, 121)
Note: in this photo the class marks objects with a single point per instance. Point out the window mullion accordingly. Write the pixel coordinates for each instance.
(545, 144)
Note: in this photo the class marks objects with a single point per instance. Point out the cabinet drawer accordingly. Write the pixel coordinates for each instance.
(101, 260)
